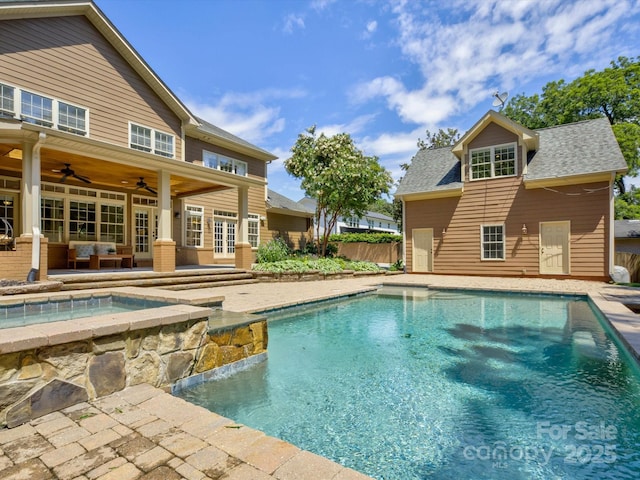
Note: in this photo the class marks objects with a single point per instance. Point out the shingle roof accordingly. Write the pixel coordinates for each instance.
(575, 149)
(566, 150)
(431, 169)
(275, 200)
(627, 228)
(219, 132)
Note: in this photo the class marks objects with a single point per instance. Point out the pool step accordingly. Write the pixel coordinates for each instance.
(179, 280)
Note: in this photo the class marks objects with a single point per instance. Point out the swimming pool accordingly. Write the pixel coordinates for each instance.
(443, 384)
(47, 310)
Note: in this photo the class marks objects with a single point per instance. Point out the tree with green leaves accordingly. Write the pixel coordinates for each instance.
(613, 93)
(342, 180)
(442, 138)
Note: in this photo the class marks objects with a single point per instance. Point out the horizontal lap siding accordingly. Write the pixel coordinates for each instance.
(74, 63)
(506, 201)
(296, 231)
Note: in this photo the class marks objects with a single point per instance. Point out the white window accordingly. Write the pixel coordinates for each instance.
(72, 119)
(82, 220)
(41, 110)
(253, 224)
(7, 102)
(140, 138)
(164, 144)
(52, 221)
(226, 164)
(371, 223)
(112, 223)
(36, 109)
(194, 230)
(149, 140)
(492, 242)
(352, 222)
(497, 161)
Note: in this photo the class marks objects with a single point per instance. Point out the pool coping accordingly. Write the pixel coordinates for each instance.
(181, 308)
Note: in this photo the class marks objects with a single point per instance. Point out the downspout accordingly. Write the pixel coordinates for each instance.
(404, 237)
(612, 244)
(35, 196)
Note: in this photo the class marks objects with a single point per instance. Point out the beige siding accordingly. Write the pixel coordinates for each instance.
(506, 201)
(76, 64)
(297, 232)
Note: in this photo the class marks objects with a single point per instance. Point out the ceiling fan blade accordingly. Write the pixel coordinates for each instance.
(149, 189)
(81, 178)
(64, 178)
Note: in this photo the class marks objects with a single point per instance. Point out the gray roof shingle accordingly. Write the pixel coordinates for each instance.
(566, 150)
(275, 200)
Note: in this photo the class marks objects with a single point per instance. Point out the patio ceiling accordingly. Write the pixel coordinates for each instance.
(111, 175)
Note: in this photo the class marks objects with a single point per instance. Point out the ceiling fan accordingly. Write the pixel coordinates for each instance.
(68, 172)
(142, 184)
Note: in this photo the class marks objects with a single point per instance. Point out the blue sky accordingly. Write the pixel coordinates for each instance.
(384, 71)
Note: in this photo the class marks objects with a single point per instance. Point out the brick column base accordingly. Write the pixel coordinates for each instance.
(164, 256)
(16, 264)
(244, 256)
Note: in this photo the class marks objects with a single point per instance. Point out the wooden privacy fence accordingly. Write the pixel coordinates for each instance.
(630, 261)
(371, 252)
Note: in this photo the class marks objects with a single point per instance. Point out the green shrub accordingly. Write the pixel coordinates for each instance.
(365, 237)
(274, 250)
(323, 265)
(398, 266)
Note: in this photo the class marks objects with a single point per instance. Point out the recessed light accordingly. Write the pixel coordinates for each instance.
(124, 181)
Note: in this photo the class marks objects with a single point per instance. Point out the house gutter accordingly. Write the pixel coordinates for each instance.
(35, 196)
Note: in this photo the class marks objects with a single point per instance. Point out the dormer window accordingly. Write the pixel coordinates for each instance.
(496, 161)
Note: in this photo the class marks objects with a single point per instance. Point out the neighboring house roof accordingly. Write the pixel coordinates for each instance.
(572, 150)
(311, 203)
(627, 229)
(281, 204)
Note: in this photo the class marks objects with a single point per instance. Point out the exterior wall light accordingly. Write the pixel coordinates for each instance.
(524, 229)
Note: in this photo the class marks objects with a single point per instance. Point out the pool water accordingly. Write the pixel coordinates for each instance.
(445, 385)
(22, 314)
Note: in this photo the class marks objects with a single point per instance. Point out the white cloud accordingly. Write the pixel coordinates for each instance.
(293, 21)
(247, 115)
(353, 127)
(321, 4)
(489, 45)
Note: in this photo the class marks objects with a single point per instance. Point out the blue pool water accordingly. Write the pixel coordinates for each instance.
(445, 385)
(21, 314)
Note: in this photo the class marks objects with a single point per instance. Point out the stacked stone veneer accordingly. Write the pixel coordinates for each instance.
(45, 378)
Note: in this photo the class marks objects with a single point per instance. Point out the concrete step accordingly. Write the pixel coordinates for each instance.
(181, 280)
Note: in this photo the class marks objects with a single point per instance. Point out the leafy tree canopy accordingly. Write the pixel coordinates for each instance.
(342, 180)
(440, 139)
(613, 93)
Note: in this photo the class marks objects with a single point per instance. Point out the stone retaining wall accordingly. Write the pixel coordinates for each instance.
(45, 378)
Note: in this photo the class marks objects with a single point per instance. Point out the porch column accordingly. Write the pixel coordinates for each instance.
(26, 190)
(243, 248)
(164, 248)
(30, 212)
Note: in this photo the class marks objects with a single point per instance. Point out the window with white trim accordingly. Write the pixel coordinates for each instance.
(253, 230)
(492, 242)
(7, 102)
(36, 109)
(112, 223)
(149, 140)
(82, 220)
(226, 164)
(52, 219)
(496, 161)
(353, 222)
(72, 119)
(194, 226)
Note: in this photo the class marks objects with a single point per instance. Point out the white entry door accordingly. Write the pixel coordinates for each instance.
(224, 238)
(554, 248)
(422, 250)
(145, 223)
